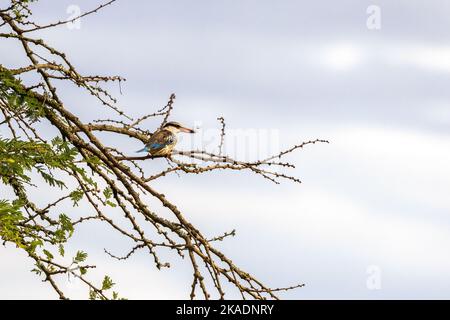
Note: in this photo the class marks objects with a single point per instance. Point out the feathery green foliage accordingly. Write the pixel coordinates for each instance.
(21, 158)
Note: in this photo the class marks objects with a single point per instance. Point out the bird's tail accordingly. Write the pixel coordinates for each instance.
(143, 150)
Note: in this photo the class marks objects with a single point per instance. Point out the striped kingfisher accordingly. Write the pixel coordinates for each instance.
(163, 141)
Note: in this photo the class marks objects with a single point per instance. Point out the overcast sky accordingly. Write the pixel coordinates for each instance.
(374, 203)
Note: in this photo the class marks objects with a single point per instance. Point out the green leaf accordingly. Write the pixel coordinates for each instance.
(66, 224)
(108, 193)
(80, 257)
(107, 283)
(48, 254)
(37, 271)
(61, 250)
(92, 294)
(76, 196)
(111, 204)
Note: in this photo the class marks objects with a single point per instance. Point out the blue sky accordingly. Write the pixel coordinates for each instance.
(376, 196)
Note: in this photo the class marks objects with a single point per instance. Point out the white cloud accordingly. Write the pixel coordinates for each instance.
(407, 164)
(438, 112)
(341, 56)
(430, 57)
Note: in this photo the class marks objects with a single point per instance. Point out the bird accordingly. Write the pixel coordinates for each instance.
(162, 142)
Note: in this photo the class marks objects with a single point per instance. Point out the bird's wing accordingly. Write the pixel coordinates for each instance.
(160, 140)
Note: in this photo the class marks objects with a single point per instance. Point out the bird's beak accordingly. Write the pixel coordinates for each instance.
(187, 130)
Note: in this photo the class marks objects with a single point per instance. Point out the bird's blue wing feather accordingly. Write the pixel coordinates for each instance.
(145, 149)
(159, 140)
(156, 145)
